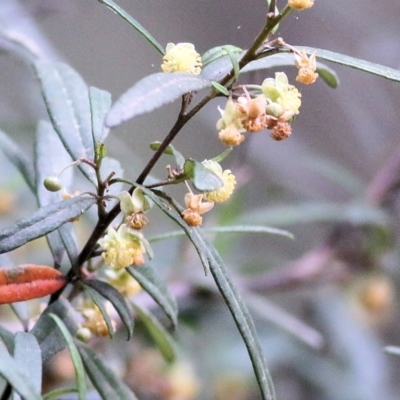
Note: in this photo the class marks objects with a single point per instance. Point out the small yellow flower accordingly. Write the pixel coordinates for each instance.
(123, 248)
(181, 57)
(307, 67)
(94, 320)
(229, 181)
(230, 125)
(195, 207)
(252, 112)
(231, 136)
(286, 96)
(124, 282)
(300, 5)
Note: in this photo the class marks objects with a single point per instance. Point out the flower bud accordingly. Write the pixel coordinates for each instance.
(300, 5)
(52, 184)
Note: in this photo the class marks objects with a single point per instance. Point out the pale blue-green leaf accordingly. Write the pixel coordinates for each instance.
(152, 92)
(217, 52)
(159, 200)
(352, 62)
(355, 213)
(150, 281)
(58, 394)
(116, 299)
(102, 377)
(48, 335)
(7, 338)
(160, 335)
(139, 28)
(19, 44)
(43, 221)
(69, 241)
(27, 355)
(14, 153)
(228, 229)
(203, 179)
(211, 260)
(282, 60)
(99, 300)
(100, 103)
(222, 89)
(50, 158)
(394, 350)
(76, 359)
(67, 101)
(10, 371)
(171, 150)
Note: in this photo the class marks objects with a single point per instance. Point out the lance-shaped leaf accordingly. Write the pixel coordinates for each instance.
(150, 281)
(27, 355)
(29, 281)
(67, 102)
(18, 158)
(116, 299)
(152, 92)
(50, 158)
(19, 44)
(76, 359)
(212, 261)
(160, 335)
(8, 338)
(100, 103)
(43, 221)
(352, 62)
(179, 159)
(99, 300)
(102, 377)
(203, 179)
(48, 334)
(139, 28)
(10, 371)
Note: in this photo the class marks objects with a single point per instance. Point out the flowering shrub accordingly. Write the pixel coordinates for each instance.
(106, 272)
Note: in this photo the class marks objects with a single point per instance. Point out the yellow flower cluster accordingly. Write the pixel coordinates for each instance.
(300, 5)
(123, 247)
(181, 57)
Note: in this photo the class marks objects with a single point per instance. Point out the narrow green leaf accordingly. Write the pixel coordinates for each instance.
(220, 88)
(43, 221)
(59, 393)
(100, 103)
(287, 60)
(99, 301)
(150, 282)
(160, 335)
(50, 158)
(179, 159)
(103, 378)
(152, 92)
(203, 179)
(394, 350)
(116, 299)
(211, 260)
(14, 153)
(352, 62)
(67, 101)
(27, 355)
(139, 28)
(217, 52)
(7, 338)
(234, 61)
(9, 370)
(76, 359)
(46, 331)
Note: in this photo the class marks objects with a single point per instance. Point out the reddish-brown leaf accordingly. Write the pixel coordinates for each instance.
(29, 281)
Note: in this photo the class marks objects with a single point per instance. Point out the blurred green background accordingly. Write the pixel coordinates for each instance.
(326, 304)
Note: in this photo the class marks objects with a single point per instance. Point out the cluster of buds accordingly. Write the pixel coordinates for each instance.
(194, 202)
(273, 108)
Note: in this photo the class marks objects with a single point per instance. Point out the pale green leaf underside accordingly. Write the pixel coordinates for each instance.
(43, 221)
(150, 281)
(152, 92)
